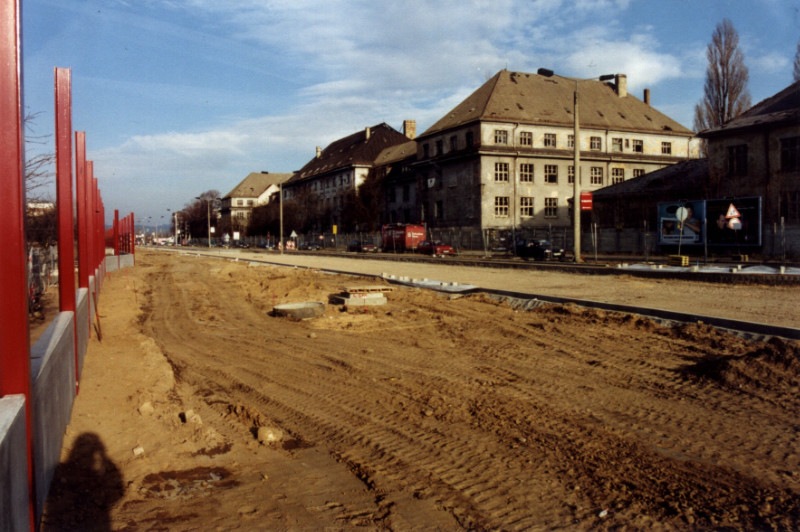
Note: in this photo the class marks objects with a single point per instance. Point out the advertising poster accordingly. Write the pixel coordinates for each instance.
(681, 222)
(734, 222)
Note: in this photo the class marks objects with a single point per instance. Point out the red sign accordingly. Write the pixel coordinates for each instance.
(586, 201)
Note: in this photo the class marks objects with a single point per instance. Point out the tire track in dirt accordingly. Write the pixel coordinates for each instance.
(479, 408)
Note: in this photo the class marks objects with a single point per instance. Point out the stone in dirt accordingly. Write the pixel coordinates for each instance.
(146, 409)
(268, 435)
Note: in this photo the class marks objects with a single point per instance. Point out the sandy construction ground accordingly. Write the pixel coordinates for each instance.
(200, 411)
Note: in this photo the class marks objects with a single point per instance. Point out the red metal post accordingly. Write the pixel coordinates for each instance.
(82, 208)
(66, 229)
(133, 237)
(66, 235)
(14, 343)
(116, 232)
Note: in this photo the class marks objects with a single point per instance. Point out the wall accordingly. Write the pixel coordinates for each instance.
(54, 358)
(13, 457)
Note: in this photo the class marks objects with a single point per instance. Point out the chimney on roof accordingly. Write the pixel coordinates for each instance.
(621, 81)
(410, 128)
(366, 133)
(319, 152)
(264, 171)
(647, 96)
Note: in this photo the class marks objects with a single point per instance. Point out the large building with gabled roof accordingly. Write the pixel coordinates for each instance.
(503, 157)
(323, 184)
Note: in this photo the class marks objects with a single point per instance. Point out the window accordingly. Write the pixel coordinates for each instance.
(790, 154)
(239, 202)
(638, 172)
(453, 143)
(249, 203)
(526, 207)
(501, 171)
(737, 160)
(551, 207)
(501, 206)
(666, 148)
(500, 136)
(616, 144)
(526, 138)
(570, 174)
(597, 175)
(392, 194)
(526, 173)
(550, 173)
(439, 147)
(426, 151)
(595, 143)
(617, 175)
(405, 192)
(638, 146)
(470, 139)
(438, 210)
(570, 141)
(549, 140)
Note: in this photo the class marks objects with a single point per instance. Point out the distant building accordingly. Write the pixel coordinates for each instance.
(256, 189)
(503, 157)
(324, 183)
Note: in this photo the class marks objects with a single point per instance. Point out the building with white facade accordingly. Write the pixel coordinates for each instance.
(503, 157)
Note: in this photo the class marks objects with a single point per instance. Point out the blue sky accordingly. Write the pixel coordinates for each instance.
(181, 96)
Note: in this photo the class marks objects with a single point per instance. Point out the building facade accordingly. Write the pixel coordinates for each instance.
(256, 189)
(323, 187)
(758, 154)
(503, 158)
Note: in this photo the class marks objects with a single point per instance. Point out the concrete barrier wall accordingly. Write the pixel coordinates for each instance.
(53, 387)
(113, 263)
(14, 514)
(82, 315)
(53, 392)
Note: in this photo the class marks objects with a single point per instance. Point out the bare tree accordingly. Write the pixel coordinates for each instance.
(725, 93)
(39, 169)
(796, 76)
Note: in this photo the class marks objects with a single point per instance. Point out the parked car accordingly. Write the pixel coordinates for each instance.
(308, 246)
(539, 250)
(242, 245)
(361, 247)
(435, 247)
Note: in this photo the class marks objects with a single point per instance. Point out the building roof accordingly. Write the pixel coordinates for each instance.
(256, 183)
(782, 108)
(535, 99)
(396, 153)
(358, 149)
(688, 178)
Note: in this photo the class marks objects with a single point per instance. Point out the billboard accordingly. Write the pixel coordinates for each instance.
(714, 222)
(725, 228)
(681, 222)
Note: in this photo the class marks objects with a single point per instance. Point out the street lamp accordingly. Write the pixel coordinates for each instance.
(576, 179)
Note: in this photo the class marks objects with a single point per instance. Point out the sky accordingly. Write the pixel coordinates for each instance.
(178, 97)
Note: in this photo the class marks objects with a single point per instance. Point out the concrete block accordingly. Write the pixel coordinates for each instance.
(82, 317)
(53, 392)
(14, 505)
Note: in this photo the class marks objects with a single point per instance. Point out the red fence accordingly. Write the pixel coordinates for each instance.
(15, 368)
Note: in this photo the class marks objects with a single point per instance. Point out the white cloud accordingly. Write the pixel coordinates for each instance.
(771, 63)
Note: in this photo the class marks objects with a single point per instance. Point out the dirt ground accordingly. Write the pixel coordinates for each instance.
(198, 410)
